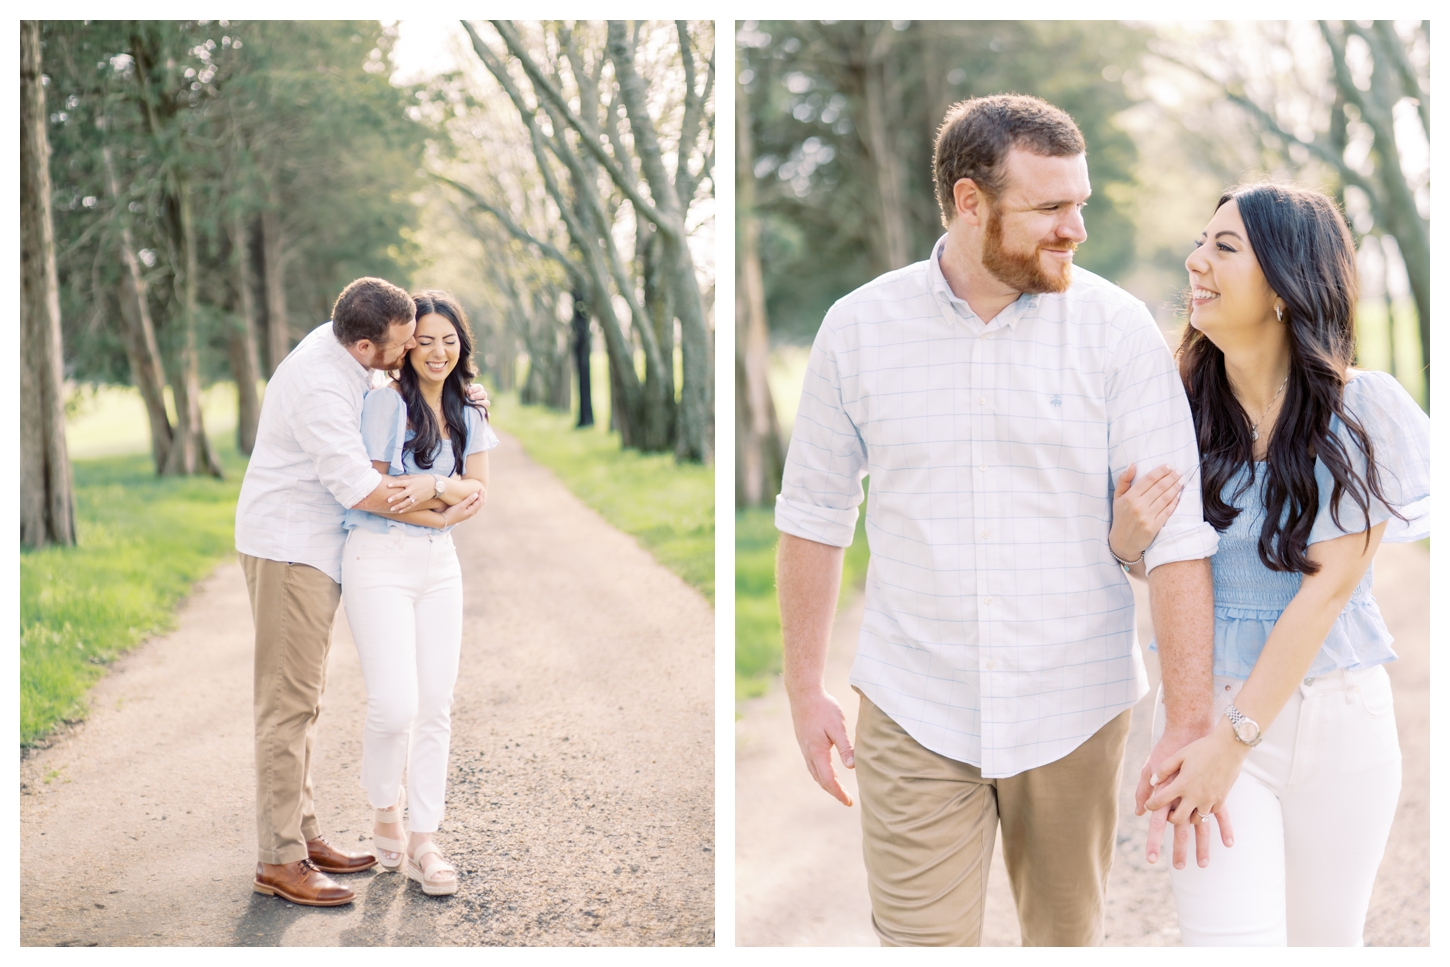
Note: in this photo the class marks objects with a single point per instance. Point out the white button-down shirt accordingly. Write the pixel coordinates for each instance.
(999, 630)
(309, 463)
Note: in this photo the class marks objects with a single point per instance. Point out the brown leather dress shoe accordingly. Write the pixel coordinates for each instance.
(330, 859)
(302, 883)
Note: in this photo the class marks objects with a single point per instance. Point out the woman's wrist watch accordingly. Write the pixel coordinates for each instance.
(440, 484)
(1245, 729)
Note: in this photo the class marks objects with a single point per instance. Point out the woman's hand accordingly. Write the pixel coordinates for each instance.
(1197, 779)
(1140, 509)
(417, 487)
(463, 510)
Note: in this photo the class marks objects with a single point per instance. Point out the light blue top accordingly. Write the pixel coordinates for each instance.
(1248, 597)
(385, 431)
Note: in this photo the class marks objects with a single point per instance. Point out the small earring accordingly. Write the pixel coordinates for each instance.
(1279, 311)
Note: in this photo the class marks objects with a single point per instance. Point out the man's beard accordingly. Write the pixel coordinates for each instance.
(1023, 271)
(380, 361)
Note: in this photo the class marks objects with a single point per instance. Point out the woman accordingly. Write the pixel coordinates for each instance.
(1307, 465)
(402, 587)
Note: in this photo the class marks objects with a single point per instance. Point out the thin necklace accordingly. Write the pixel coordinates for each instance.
(1254, 430)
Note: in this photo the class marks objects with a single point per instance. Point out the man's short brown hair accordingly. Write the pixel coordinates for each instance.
(367, 307)
(976, 135)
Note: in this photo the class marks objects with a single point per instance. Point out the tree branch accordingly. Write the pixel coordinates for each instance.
(547, 249)
(587, 136)
(1268, 121)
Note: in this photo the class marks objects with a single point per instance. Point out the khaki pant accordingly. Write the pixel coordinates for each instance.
(292, 608)
(930, 824)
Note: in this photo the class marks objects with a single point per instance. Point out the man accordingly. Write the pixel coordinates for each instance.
(308, 466)
(992, 393)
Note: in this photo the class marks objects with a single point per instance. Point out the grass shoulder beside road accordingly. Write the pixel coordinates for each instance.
(667, 506)
(142, 542)
(757, 614)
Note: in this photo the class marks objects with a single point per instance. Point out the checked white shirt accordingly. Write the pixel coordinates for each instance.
(999, 630)
(309, 463)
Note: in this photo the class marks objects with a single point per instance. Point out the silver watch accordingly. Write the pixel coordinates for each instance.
(440, 484)
(1246, 730)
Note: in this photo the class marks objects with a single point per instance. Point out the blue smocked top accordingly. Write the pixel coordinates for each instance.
(385, 430)
(1248, 597)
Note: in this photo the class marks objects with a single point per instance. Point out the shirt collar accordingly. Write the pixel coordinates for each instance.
(943, 292)
(346, 360)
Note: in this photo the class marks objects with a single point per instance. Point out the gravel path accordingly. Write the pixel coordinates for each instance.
(798, 871)
(580, 806)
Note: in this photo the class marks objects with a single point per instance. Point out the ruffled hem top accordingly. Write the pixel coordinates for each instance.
(1249, 598)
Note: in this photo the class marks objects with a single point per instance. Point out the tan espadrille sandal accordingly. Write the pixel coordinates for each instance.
(393, 814)
(428, 861)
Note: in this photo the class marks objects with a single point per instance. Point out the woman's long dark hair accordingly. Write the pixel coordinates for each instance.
(426, 436)
(1307, 256)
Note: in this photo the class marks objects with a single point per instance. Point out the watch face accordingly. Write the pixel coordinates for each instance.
(1247, 730)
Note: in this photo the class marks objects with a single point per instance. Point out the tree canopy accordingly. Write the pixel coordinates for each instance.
(215, 176)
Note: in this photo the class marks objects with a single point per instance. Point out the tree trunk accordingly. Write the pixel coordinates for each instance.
(142, 350)
(694, 439)
(627, 402)
(759, 460)
(582, 341)
(191, 451)
(1395, 207)
(47, 511)
(561, 393)
(661, 410)
(279, 340)
(883, 156)
(242, 339)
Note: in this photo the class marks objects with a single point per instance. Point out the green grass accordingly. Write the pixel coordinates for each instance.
(668, 507)
(142, 543)
(757, 615)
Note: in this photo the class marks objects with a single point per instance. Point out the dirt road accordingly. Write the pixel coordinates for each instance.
(798, 871)
(580, 804)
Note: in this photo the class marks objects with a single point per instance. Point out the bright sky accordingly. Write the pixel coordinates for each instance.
(424, 48)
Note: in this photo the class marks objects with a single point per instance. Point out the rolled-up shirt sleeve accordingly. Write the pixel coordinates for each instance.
(326, 428)
(821, 486)
(1150, 425)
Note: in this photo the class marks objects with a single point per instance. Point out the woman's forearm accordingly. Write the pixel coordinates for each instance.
(1296, 639)
(1300, 631)
(460, 488)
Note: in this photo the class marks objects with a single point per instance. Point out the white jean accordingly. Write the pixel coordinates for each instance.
(404, 601)
(1311, 813)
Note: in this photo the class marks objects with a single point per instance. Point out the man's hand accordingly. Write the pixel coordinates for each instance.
(1197, 779)
(1172, 741)
(479, 395)
(819, 725)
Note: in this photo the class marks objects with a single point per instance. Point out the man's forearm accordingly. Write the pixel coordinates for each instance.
(1181, 596)
(808, 583)
(377, 501)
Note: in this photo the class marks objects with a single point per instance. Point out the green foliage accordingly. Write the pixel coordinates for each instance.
(143, 542)
(808, 92)
(669, 507)
(293, 118)
(757, 613)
